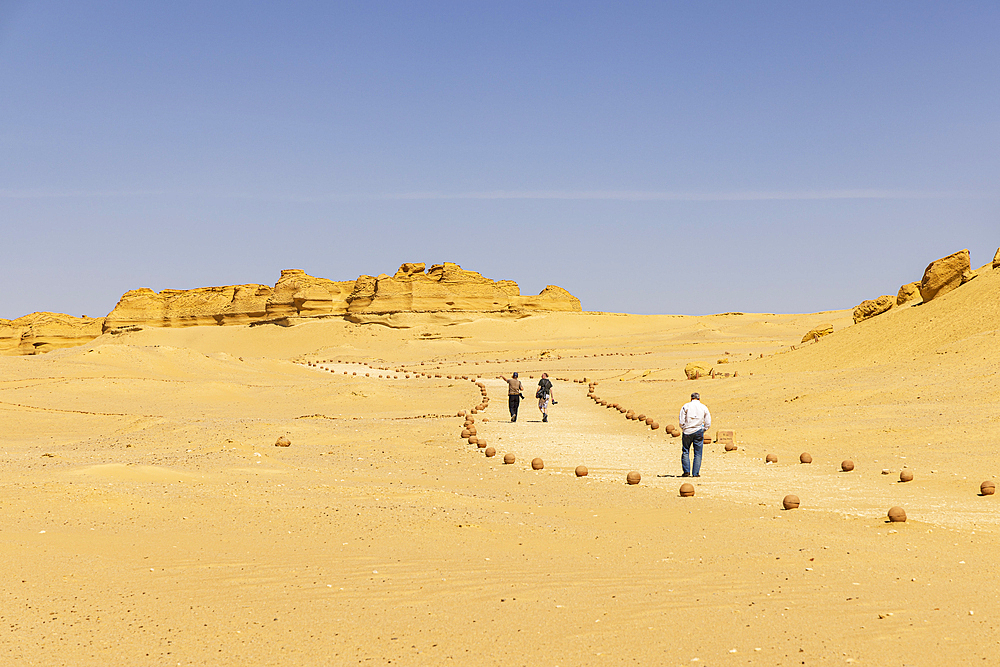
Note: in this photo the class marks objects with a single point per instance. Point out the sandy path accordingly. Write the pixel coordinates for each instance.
(581, 433)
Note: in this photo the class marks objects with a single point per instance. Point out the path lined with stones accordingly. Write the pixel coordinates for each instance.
(581, 432)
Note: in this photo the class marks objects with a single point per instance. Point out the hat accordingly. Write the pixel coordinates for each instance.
(515, 373)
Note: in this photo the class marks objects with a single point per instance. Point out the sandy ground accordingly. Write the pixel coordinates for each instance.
(148, 518)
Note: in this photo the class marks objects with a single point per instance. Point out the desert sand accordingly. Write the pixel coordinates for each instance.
(149, 518)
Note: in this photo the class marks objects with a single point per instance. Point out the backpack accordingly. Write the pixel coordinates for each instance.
(543, 388)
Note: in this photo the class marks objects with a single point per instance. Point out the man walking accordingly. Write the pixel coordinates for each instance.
(543, 395)
(695, 419)
(514, 389)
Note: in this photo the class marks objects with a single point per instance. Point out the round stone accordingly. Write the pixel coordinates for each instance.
(897, 514)
(805, 457)
(473, 440)
(790, 502)
(847, 465)
(987, 488)
(687, 490)
(283, 442)
(906, 475)
(730, 447)
(481, 443)
(581, 471)
(770, 458)
(633, 477)
(537, 463)
(654, 425)
(508, 458)
(465, 433)
(490, 452)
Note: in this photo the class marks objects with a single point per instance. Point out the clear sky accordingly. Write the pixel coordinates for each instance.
(651, 157)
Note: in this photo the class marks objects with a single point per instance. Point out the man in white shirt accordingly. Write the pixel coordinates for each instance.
(695, 419)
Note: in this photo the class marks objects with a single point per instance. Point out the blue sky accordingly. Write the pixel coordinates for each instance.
(651, 157)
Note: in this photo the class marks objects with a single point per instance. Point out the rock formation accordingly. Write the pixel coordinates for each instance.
(43, 332)
(233, 304)
(444, 288)
(868, 309)
(907, 293)
(447, 287)
(694, 370)
(297, 294)
(996, 259)
(818, 332)
(946, 274)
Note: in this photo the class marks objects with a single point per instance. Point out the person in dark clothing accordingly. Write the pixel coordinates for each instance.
(514, 389)
(543, 395)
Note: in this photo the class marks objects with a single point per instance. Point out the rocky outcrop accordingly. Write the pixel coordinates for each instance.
(996, 259)
(233, 304)
(413, 296)
(695, 370)
(43, 332)
(946, 274)
(818, 332)
(869, 309)
(907, 293)
(297, 294)
(448, 287)
(413, 289)
(550, 298)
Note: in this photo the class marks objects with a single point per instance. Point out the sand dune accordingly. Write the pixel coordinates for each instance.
(149, 518)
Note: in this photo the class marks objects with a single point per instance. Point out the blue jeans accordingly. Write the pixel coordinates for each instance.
(698, 440)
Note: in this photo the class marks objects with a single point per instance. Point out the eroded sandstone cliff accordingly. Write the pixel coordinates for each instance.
(43, 332)
(413, 289)
(442, 289)
(448, 287)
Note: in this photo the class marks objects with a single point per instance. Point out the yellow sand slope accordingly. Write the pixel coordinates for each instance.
(149, 518)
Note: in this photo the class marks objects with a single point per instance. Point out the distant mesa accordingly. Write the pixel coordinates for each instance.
(444, 288)
(297, 296)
